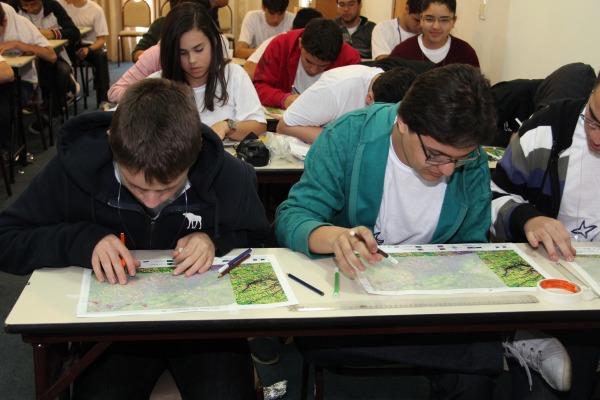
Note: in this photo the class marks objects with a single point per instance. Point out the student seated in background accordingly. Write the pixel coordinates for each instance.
(340, 91)
(149, 60)
(546, 192)
(356, 29)
(86, 13)
(19, 35)
(54, 23)
(190, 52)
(303, 17)
(435, 43)
(142, 166)
(152, 37)
(6, 72)
(296, 59)
(259, 25)
(408, 173)
(388, 34)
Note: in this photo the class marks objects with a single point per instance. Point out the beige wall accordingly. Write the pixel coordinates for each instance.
(518, 39)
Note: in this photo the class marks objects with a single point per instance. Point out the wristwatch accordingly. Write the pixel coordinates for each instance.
(231, 124)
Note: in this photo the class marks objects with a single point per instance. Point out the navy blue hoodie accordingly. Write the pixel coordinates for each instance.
(76, 201)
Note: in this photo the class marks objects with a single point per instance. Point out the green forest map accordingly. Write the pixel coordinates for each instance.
(452, 270)
(157, 290)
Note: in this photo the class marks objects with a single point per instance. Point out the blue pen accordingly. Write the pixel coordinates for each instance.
(236, 259)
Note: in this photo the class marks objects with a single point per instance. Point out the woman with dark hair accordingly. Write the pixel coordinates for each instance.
(191, 51)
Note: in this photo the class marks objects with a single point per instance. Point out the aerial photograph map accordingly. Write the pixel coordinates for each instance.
(255, 283)
(457, 268)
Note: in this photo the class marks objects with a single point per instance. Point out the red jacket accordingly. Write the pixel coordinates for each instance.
(276, 70)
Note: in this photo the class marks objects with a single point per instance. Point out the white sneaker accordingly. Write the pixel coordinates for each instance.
(544, 354)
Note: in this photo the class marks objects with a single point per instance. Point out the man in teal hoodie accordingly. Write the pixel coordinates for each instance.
(412, 173)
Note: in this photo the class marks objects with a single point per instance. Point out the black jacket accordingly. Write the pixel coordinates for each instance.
(67, 29)
(76, 201)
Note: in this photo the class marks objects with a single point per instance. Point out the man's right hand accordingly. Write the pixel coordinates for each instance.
(552, 234)
(106, 260)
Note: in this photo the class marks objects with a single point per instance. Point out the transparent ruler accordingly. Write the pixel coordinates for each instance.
(416, 303)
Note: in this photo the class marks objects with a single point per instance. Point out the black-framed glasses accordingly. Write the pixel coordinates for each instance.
(590, 122)
(440, 159)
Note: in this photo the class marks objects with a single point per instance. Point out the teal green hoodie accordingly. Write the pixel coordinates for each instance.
(343, 178)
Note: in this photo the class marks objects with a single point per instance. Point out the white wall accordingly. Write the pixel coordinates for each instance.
(542, 35)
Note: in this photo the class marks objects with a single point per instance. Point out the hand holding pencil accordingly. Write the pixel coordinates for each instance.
(355, 248)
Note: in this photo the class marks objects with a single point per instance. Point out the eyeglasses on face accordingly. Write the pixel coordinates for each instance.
(349, 4)
(439, 159)
(590, 122)
(443, 21)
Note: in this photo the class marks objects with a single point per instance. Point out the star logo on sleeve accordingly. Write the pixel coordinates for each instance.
(583, 230)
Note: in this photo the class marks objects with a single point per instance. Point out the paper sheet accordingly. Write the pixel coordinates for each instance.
(464, 268)
(257, 283)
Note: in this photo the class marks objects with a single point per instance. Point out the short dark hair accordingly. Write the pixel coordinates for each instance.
(414, 6)
(323, 39)
(597, 83)
(304, 16)
(451, 104)
(2, 14)
(392, 85)
(276, 6)
(183, 18)
(205, 3)
(451, 4)
(156, 129)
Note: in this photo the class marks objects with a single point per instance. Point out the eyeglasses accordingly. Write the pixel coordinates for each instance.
(440, 159)
(349, 4)
(430, 20)
(590, 122)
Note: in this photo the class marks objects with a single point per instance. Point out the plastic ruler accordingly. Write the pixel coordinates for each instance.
(416, 303)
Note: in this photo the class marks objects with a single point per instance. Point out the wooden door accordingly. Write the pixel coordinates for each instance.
(399, 6)
(327, 7)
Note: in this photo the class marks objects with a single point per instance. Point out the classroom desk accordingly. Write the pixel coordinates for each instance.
(277, 171)
(84, 30)
(21, 150)
(45, 313)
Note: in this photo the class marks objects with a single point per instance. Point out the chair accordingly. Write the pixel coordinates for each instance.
(84, 73)
(164, 8)
(135, 18)
(226, 22)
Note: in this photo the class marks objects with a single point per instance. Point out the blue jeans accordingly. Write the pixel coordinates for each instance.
(202, 369)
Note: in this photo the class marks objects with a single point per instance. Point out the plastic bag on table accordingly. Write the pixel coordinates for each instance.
(286, 147)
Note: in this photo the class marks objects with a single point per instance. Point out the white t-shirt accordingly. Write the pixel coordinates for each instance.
(403, 217)
(92, 15)
(21, 29)
(255, 29)
(579, 210)
(436, 55)
(303, 81)
(386, 35)
(337, 92)
(47, 22)
(243, 103)
(260, 50)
